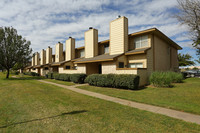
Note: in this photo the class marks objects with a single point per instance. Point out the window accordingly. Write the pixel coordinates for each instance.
(106, 48)
(135, 65)
(67, 67)
(46, 68)
(141, 41)
(121, 64)
(82, 53)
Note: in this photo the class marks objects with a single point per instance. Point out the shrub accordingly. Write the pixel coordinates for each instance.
(61, 77)
(14, 72)
(78, 78)
(125, 81)
(165, 79)
(66, 77)
(184, 75)
(49, 75)
(31, 73)
(176, 77)
(56, 76)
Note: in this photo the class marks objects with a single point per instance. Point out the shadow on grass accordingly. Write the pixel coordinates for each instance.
(40, 119)
(24, 78)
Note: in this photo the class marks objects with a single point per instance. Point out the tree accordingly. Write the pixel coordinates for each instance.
(1, 68)
(189, 14)
(195, 68)
(198, 54)
(13, 48)
(185, 60)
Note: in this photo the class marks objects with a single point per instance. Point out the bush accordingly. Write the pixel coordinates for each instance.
(14, 72)
(61, 77)
(31, 73)
(78, 78)
(66, 77)
(184, 75)
(49, 75)
(165, 79)
(56, 76)
(176, 77)
(125, 81)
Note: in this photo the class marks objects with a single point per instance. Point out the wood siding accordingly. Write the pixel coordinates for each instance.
(70, 49)
(119, 36)
(91, 43)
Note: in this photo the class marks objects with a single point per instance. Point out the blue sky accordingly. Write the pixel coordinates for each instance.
(46, 22)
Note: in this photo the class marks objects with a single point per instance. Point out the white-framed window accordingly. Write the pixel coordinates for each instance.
(141, 41)
(106, 48)
(82, 53)
(135, 65)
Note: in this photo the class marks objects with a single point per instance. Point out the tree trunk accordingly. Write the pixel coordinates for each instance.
(8, 71)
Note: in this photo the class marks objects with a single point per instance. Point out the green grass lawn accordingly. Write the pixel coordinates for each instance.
(60, 82)
(31, 106)
(183, 96)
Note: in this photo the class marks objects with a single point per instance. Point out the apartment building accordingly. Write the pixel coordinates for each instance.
(138, 53)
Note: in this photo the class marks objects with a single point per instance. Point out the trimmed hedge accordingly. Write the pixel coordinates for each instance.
(124, 81)
(165, 79)
(76, 78)
(31, 73)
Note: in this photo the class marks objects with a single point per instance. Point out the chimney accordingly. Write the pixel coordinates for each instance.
(119, 35)
(91, 43)
(43, 57)
(33, 60)
(48, 55)
(59, 52)
(70, 49)
(37, 58)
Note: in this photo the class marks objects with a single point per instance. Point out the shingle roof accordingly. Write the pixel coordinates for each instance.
(59, 63)
(137, 51)
(154, 30)
(99, 58)
(28, 67)
(37, 66)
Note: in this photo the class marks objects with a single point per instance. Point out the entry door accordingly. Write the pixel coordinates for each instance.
(100, 69)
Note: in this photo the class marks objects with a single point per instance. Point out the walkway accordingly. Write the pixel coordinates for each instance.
(159, 110)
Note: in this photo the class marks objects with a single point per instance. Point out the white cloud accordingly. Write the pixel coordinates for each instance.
(45, 22)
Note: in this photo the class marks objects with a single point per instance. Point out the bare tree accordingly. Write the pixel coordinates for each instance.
(189, 14)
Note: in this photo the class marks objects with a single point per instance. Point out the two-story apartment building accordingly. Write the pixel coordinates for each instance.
(138, 53)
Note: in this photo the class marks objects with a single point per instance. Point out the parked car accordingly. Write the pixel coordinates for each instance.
(192, 73)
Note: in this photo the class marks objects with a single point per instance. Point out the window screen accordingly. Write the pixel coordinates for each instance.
(67, 67)
(135, 65)
(141, 41)
(106, 48)
(121, 64)
(82, 53)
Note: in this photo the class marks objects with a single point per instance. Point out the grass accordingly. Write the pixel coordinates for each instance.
(60, 82)
(183, 96)
(32, 106)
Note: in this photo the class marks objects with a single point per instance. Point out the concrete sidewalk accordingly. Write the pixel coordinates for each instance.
(155, 109)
